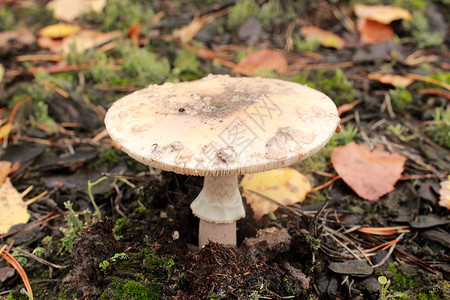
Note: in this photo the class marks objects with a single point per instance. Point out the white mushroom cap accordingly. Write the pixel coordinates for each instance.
(220, 125)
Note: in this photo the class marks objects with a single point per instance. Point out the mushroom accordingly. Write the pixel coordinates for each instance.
(220, 127)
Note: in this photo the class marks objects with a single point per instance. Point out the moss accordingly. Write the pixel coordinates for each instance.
(305, 44)
(423, 35)
(400, 97)
(120, 15)
(186, 66)
(130, 290)
(143, 67)
(241, 12)
(440, 131)
(336, 85)
(402, 282)
(271, 12)
(7, 19)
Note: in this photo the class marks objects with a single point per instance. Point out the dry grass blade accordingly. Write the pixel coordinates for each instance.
(16, 265)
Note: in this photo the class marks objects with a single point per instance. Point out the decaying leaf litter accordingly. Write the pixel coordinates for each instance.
(389, 79)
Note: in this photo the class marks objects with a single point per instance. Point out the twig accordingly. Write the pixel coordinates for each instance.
(40, 260)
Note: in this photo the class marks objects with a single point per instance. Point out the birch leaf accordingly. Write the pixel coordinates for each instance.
(13, 210)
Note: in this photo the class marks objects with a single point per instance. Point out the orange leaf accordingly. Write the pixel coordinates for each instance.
(395, 80)
(347, 107)
(371, 174)
(133, 33)
(325, 38)
(374, 32)
(261, 60)
(444, 193)
(187, 32)
(49, 43)
(384, 14)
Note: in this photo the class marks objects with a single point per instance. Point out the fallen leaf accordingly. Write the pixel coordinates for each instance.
(5, 167)
(374, 32)
(384, 14)
(2, 73)
(395, 80)
(134, 32)
(325, 38)
(343, 108)
(261, 60)
(187, 32)
(59, 30)
(286, 186)
(87, 39)
(5, 273)
(13, 209)
(69, 10)
(49, 43)
(22, 37)
(371, 174)
(444, 193)
(5, 130)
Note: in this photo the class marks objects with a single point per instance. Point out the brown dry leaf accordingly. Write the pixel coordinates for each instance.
(69, 10)
(261, 60)
(87, 39)
(444, 193)
(325, 38)
(59, 30)
(395, 80)
(343, 108)
(374, 32)
(5, 167)
(384, 14)
(49, 43)
(187, 32)
(286, 186)
(22, 37)
(371, 174)
(13, 209)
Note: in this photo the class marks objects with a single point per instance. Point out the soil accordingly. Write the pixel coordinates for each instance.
(144, 245)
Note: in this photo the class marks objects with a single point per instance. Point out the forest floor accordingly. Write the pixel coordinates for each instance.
(56, 85)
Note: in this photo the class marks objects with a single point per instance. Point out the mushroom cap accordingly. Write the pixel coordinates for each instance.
(220, 125)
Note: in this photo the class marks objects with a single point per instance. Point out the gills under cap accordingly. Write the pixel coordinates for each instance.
(220, 125)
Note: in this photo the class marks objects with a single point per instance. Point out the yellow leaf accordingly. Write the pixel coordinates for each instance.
(384, 14)
(286, 186)
(13, 209)
(444, 193)
(5, 130)
(325, 38)
(2, 72)
(59, 30)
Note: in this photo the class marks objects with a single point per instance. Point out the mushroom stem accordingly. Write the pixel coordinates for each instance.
(220, 233)
(218, 206)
